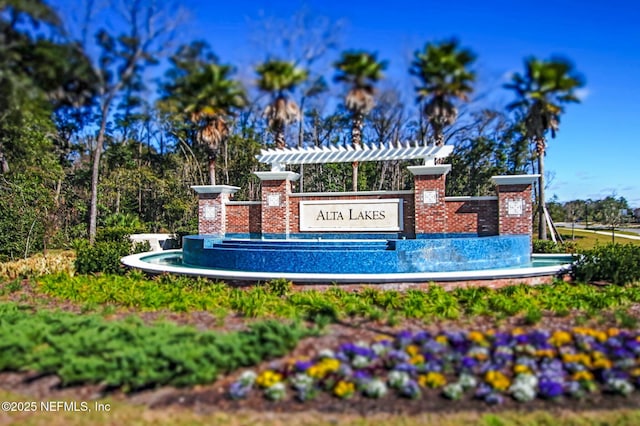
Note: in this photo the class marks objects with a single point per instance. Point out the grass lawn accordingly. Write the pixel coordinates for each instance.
(129, 414)
(587, 240)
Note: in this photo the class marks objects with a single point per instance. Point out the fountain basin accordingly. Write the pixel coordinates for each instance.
(356, 255)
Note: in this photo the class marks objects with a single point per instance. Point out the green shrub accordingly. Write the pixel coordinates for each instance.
(103, 256)
(129, 354)
(547, 246)
(616, 263)
(111, 245)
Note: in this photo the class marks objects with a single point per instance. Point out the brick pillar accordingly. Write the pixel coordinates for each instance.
(212, 210)
(429, 193)
(515, 209)
(276, 212)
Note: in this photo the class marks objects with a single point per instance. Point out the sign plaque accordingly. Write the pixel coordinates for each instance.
(351, 215)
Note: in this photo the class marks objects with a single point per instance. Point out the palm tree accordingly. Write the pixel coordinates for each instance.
(209, 97)
(277, 78)
(541, 91)
(218, 96)
(444, 78)
(360, 70)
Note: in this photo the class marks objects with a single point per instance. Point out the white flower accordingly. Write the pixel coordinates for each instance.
(620, 386)
(467, 381)
(301, 381)
(453, 390)
(397, 379)
(247, 378)
(360, 361)
(524, 387)
(380, 349)
(326, 353)
(375, 388)
(276, 392)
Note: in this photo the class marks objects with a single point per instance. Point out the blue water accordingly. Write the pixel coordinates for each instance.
(357, 256)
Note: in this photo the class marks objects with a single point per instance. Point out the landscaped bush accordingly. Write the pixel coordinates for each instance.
(489, 366)
(131, 355)
(180, 294)
(38, 265)
(105, 254)
(548, 246)
(615, 263)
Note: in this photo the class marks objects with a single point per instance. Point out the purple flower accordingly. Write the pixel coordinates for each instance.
(494, 398)
(483, 390)
(404, 338)
(239, 390)
(411, 389)
(550, 389)
(302, 365)
(468, 363)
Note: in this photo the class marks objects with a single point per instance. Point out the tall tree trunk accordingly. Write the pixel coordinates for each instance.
(542, 224)
(356, 140)
(279, 136)
(95, 172)
(212, 170)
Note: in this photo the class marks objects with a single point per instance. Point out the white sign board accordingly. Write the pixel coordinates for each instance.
(515, 207)
(351, 215)
(210, 212)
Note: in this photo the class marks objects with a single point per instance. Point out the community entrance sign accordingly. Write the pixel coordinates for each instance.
(351, 215)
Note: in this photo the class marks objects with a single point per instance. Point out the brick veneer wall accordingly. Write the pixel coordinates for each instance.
(244, 218)
(515, 224)
(275, 220)
(215, 226)
(472, 216)
(430, 218)
(408, 211)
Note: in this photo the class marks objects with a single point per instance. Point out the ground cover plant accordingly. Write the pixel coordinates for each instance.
(180, 294)
(128, 354)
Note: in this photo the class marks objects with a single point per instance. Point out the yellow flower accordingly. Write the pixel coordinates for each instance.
(413, 350)
(417, 359)
(612, 332)
(476, 336)
(601, 336)
(602, 363)
(519, 368)
(344, 389)
(498, 380)
(582, 375)
(442, 339)
(432, 380)
(545, 353)
(268, 378)
(517, 331)
(635, 372)
(324, 367)
(560, 338)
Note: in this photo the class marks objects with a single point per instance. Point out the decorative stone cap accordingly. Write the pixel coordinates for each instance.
(515, 179)
(215, 189)
(277, 175)
(440, 169)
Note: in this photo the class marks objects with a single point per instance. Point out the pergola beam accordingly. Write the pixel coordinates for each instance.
(278, 158)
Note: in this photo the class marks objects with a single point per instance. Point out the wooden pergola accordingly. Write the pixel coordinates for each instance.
(279, 158)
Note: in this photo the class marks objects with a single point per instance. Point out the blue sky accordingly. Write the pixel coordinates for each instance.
(597, 150)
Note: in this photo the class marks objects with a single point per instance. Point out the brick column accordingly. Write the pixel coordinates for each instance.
(430, 207)
(276, 213)
(212, 211)
(515, 210)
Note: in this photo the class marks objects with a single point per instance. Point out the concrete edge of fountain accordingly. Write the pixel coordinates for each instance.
(540, 274)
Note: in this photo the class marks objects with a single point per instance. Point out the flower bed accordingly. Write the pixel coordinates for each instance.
(490, 366)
